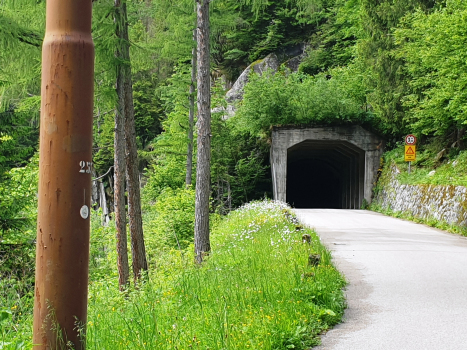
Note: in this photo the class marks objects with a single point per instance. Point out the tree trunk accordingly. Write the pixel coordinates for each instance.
(131, 155)
(138, 248)
(203, 171)
(103, 204)
(119, 192)
(191, 116)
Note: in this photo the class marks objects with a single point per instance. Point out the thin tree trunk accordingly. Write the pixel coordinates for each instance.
(119, 193)
(103, 204)
(229, 194)
(131, 155)
(134, 194)
(203, 171)
(191, 116)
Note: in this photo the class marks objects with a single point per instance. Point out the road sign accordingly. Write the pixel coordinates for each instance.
(410, 140)
(410, 153)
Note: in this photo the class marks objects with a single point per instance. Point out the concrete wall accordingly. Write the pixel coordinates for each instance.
(444, 203)
(284, 138)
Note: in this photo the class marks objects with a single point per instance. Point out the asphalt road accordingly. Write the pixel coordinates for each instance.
(407, 282)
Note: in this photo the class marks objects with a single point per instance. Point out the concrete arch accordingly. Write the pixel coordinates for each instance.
(326, 167)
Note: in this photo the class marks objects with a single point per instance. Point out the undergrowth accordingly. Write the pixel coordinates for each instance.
(430, 167)
(256, 290)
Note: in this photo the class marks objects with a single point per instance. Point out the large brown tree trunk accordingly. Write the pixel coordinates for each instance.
(125, 102)
(191, 116)
(203, 169)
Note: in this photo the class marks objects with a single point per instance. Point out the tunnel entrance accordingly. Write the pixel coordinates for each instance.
(326, 167)
(325, 174)
(313, 183)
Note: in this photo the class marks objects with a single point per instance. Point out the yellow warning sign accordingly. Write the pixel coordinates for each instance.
(410, 153)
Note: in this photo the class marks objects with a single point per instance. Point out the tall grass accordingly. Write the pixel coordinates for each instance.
(255, 291)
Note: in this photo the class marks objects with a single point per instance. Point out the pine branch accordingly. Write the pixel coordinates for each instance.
(11, 30)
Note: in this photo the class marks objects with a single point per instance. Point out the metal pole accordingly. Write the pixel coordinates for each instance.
(60, 300)
(410, 163)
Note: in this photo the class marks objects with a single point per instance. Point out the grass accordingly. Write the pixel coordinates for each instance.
(256, 290)
(16, 294)
(451, 169)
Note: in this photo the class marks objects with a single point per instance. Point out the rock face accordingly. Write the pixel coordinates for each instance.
(272, 62)
(235, 94)
(443, 203)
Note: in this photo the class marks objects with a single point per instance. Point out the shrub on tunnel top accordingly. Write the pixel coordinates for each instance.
(296, 98)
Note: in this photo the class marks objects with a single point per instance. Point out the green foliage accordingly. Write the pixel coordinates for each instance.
(263, 27)
(167, 154)
(16, 294)
(255, 290)
(376, 49)
(18, 140)
(281, 99)
(170, 222)
(437, 67)
(102, 254)
(239, 168)
(22, 24)
(18, 204)
(450, 170)
(165, 172)
(148, 111)
(333, 43)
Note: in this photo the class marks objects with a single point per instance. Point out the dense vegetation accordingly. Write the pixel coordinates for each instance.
(257, 290)
(395, 67)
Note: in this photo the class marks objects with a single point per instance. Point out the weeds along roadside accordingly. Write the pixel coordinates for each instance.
(255, 291)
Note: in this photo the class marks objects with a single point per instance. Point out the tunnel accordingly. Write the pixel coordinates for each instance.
(313, 183)
(325, 174)
(326, 167)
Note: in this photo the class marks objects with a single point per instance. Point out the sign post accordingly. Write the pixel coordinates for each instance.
(410, 149)
(63, 224)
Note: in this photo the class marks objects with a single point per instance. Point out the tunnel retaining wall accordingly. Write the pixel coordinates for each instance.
(443, 203)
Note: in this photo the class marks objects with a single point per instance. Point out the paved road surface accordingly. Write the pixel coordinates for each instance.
(407, 282)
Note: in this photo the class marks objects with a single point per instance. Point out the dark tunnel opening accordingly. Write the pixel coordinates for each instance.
(325, 174)
(313, 183)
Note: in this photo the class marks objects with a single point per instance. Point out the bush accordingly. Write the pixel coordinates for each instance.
(280, 99)
(170, 222)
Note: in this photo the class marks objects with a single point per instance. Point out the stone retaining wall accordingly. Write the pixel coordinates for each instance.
(444, 203)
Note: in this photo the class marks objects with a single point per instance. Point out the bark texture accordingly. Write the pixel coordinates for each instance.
(138, 249)
(191, 116)
(203, 171)
(119, 189)
(131, 155)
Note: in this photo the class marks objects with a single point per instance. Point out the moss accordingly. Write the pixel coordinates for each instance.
(256, 63)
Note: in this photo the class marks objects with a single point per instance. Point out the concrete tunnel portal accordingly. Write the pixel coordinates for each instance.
(327, 167)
